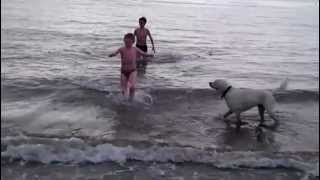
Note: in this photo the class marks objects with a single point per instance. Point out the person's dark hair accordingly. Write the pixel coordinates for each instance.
(143, 19)
(129, 36)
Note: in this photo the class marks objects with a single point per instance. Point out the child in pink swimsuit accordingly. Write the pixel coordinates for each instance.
(128, 64)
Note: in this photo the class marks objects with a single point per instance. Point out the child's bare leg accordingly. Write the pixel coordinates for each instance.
(139, 58)
(123, 83)
(132, 84)
(132, 92)
(141, 65)
(144, 63)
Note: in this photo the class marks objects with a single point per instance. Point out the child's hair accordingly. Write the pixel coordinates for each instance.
(129, 36)
(143, 19)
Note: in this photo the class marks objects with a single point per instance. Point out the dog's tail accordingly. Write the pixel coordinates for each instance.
(283, 86)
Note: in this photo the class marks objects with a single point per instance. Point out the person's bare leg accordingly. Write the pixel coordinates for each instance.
(140, 66)
(144, 64)
(132, 84)
(123, 83)
(132, 92)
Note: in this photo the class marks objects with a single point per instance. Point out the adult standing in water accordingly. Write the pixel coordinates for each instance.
(141, 34)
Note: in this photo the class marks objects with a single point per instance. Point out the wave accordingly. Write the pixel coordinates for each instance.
(77, 151)
(67, 89)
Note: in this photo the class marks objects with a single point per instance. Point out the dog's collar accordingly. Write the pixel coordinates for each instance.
(226, 91)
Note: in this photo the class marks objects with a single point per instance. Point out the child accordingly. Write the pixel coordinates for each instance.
(128, 64)
(141, 34)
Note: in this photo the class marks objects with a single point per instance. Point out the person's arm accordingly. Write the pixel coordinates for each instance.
(114, 53)
(144, 54)
(135, 33)
(151, 39)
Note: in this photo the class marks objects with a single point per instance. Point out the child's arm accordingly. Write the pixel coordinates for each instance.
(114, 53)
(151, 39)
(144, 54)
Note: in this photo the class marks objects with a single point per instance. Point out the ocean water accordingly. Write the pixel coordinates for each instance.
(62, 116)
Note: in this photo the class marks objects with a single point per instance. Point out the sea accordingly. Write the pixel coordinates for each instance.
(63, 116)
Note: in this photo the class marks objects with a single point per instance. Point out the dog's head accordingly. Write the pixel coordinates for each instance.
(219, 85)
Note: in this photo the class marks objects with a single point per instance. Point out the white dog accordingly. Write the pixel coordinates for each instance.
(239, 100)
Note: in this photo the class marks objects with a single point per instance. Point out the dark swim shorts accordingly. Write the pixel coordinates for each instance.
(142, 47)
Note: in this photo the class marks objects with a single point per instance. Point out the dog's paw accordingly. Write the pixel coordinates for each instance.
(267, 126)
(259, 134)
(258, 130)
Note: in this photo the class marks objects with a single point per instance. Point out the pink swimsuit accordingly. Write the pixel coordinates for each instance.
(127, 73)
(128, 63)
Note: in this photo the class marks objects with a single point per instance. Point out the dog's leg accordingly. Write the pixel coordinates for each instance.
(261, 113)
(227, 114)
(238, 122)
(269, 109)
(269, 105)
(276, 121)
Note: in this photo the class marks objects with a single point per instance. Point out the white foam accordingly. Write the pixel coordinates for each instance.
(77, 151)
(143, 97)
(140, 98)
(313, 172)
